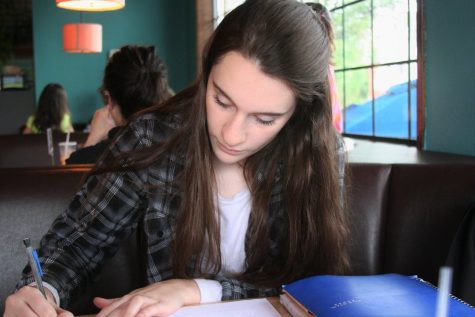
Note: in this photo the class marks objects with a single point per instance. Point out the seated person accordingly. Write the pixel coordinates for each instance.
(235, 182)
(52, 112)
(135, 78)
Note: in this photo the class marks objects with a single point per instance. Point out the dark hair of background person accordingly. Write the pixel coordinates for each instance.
(136, 78)
(52, 106)
(288, 42)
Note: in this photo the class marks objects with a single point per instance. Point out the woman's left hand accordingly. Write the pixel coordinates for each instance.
(159, 300)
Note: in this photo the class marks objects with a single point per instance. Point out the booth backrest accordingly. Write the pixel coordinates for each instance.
(425, 207)
(367, 191)
(402, 217)
(31, 150)
(30, 199)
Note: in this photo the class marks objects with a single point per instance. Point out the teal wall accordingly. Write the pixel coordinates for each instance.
(450, 76)
(169, 25)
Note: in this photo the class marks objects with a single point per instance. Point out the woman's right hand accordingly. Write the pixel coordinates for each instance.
(102, 122)
(28, 301)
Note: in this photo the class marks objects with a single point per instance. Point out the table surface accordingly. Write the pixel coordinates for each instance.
(273, 300)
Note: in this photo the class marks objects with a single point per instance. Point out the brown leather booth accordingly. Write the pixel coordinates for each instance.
(403, 218)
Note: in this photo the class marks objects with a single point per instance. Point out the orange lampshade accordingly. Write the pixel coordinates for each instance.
(91, 5)
(82, 38)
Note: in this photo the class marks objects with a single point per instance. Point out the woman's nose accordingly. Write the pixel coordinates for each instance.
(233, 131)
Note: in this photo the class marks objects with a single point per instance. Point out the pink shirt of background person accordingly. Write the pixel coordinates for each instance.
(337, 117)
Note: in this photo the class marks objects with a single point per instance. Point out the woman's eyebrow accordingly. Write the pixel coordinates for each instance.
(221, 91)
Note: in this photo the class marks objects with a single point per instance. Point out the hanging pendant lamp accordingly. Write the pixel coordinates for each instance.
(91, 5)
(82, 38)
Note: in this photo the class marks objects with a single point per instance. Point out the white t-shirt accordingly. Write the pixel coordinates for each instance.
(234, 218)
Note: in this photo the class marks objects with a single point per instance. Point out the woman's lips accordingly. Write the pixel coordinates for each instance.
(228, 150)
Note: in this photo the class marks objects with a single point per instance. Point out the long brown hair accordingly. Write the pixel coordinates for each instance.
(287, 42)
(52, 106)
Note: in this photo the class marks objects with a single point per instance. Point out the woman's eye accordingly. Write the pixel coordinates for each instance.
(265, 122)
(219, 102)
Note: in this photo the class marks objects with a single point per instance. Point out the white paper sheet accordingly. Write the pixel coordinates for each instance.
(242, 308)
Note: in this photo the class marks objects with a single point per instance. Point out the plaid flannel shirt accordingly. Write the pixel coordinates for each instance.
(109, 207)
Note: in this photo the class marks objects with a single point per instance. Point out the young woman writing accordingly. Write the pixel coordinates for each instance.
(236, 182)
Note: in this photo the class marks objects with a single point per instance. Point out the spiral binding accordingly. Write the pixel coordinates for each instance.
(435, 287)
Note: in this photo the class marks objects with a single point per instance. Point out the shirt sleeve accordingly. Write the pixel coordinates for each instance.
(29, 124)
(210, 290)
(103, 213)
(87, 155)
(223, 288)
(65, 125)
(53, 291)
(235, 289)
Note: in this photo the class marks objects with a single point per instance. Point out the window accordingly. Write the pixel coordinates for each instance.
(375, 64)
(222, 7)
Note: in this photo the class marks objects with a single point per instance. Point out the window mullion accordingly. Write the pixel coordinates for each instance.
(409, 84)
(373, 106)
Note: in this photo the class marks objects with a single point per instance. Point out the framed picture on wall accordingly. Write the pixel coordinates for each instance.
(12, 82)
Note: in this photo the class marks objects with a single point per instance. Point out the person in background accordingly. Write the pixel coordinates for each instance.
(322, 12)
(135, 78)
(52, 112)
(235, 182)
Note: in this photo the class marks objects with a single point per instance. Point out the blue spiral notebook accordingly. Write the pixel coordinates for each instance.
(385, 295)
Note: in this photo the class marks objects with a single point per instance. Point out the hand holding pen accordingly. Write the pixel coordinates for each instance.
(27, 301)
(35, 265)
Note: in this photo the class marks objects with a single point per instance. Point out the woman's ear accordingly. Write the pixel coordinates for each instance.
(108, 100)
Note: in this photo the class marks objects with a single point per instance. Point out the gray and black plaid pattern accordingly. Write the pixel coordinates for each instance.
(110, 206)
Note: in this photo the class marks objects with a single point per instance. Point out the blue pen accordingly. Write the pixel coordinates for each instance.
(35, 265)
